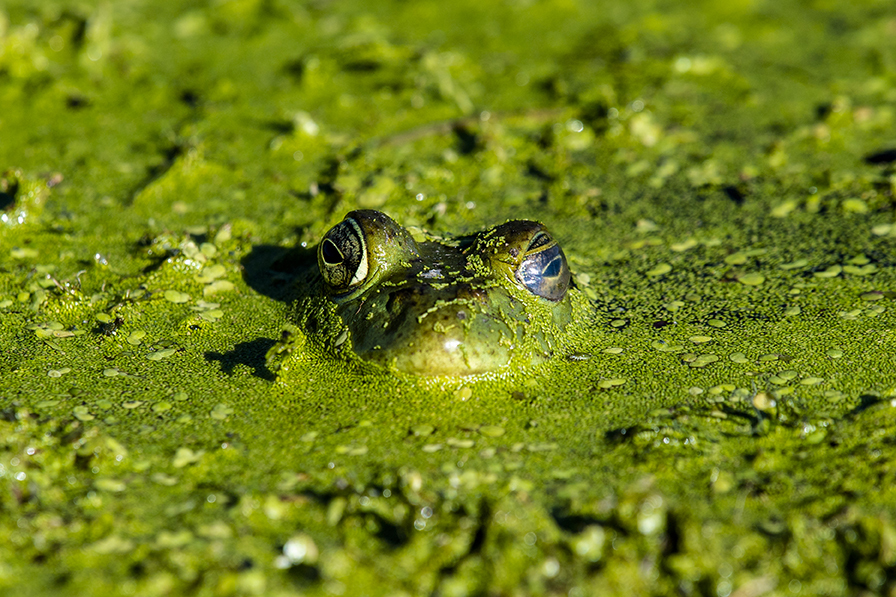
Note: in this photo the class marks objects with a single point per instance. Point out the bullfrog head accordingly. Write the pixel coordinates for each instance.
(458, 306)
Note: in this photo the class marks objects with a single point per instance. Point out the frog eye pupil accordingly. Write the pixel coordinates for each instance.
(552, 269)
(544, 272)
(342, 256)
(331, 253)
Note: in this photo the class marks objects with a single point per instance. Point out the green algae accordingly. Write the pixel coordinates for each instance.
(721, 178)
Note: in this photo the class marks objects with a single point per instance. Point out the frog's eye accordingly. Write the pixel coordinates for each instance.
(544, 271)
(342, 255)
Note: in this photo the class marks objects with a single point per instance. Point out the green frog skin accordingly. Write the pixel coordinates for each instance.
(467, 305)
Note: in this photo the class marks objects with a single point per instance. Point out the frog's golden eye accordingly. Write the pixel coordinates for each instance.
(544, 271)
(342, 256)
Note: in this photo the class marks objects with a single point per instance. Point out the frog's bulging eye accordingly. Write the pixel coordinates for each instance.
(342, 255)
(544, 271)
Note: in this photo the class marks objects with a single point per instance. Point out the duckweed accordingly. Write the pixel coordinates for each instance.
(703, 360)
(160, 355)
(82, 413)
(831, 272)
(185, 457)
(176, 297)
(738, 357)
(422, 430)
(218, 287)
(492, 430)
(460, 443)
(168, 427)
(864, 270)
(659, 270)
(751, 279)
(221, 412)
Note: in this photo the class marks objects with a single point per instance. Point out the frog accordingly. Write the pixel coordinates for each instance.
(426, 305)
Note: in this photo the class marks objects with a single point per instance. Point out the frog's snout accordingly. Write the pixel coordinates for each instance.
(428, 331)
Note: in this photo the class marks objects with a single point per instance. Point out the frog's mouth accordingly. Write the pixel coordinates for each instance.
(453, 329)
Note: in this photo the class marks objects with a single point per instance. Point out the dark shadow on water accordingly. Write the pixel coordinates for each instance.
(285, 274)
(866, 401)
(8, 190)
(251, 354)
(281, 273)
(881, 157)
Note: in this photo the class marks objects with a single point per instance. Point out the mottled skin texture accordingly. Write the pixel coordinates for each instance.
(463, 306)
